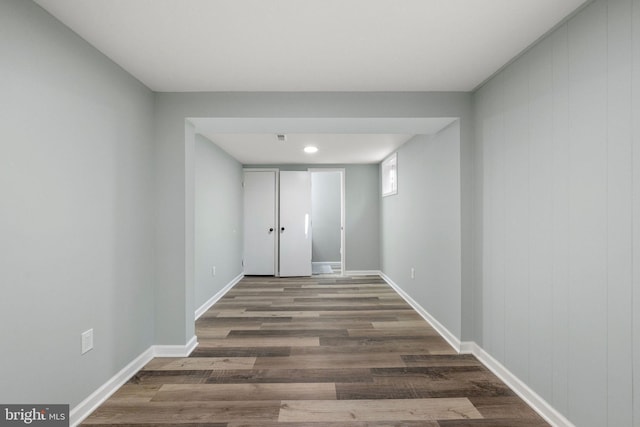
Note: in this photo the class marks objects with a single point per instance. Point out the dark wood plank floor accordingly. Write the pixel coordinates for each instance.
(321, 351)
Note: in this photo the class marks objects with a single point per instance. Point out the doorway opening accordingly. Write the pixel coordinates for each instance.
(328, 219)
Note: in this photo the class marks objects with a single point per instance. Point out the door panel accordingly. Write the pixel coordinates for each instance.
(295, 224)
(260, 223)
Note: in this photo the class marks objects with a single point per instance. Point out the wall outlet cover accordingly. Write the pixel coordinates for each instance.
(87, 341)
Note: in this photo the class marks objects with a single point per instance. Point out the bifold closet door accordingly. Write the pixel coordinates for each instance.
(295, 224)
(260, 223)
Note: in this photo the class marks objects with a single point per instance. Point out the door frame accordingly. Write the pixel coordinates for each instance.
(343, 249)
(276, 241)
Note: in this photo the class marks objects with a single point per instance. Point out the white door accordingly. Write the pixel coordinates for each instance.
(295, 224)
(260, 223)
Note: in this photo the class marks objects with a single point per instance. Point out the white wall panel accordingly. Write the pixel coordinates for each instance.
(588, 225)
(540, 216)
(493, 220)
(635, 109)
(560, 214)
(478, 293)
(619, 214)
(516, 163)
(560, 228)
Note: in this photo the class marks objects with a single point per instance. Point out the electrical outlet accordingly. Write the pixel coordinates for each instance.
(213, 271)
(87, 340)
(413, 273)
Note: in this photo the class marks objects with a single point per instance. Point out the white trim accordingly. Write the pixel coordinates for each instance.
(176, 350)
(531, 398)
(81, 411)
(95, 399)
(446, 334)
(537, 403)
(334, 265)
(214, 299)
(393, 183)
(363, 273)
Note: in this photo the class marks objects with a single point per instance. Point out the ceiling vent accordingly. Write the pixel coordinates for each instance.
(281, 137)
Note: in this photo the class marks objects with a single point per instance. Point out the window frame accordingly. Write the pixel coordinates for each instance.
(389, 185)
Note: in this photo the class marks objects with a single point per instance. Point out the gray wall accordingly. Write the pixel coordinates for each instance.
(218, 219)
(175, 172)
(325, 216)
(175, 215)
(362, 222)
(421, 225)
(99, 205)
(98, 215)
(76, 212)
(362, 212)
(559, 150)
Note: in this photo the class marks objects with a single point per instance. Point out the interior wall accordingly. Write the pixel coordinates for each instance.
(76, 212)
(421, 225)
(557, 231)
(362, 218)
(175, 175)
(326, 215)
(558, 140)
(362, 222)
(218, 219)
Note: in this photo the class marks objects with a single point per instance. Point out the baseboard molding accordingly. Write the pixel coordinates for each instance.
(537, 403)
(214, 299)
(98, 397)
(91, 403)
(332, 264)
(442, 330)
(362, 273)
(176, 350)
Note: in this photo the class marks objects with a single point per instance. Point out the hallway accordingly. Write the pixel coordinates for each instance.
(321, 351)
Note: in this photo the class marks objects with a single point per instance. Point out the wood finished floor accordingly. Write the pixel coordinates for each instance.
(321, 351)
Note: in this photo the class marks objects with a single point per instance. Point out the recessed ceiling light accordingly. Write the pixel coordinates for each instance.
(310, 149)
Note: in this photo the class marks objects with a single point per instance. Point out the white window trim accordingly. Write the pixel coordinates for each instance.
(389, 184)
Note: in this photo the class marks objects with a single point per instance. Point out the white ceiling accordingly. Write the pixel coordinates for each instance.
(265, 149)
(311, 45)
(338, 140)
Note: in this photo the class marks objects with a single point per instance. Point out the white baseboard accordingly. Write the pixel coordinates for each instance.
(214, 299)
(537, 403)
(91, 403)
(98, 397)
(362, 273)
(332, 264)
(446, 334)
(175, 350)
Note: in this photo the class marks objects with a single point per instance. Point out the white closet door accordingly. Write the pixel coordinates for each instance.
(260, 223)
(295, 224)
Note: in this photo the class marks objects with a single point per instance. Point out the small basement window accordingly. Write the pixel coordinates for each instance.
(389, 174)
